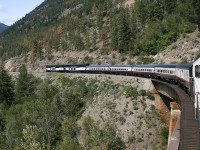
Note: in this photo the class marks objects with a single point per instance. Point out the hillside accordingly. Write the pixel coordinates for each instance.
(132, 27)
(3, 27)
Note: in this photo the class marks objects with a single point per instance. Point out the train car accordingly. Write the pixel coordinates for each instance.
(97, 69)
(110, 69)
(183, 74)
(143, 70)
(166, 71)
(121, 69)
(65, 68)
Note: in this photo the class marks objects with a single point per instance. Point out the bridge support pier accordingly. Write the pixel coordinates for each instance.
(174, 127)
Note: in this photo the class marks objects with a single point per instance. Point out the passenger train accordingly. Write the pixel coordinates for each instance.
(186, 75)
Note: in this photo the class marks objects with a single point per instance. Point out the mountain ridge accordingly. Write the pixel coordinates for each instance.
(134, 28)
(3, 27)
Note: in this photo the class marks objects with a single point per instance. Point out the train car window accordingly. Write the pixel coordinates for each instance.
(197, 71)
(73, 68)
(190, 72)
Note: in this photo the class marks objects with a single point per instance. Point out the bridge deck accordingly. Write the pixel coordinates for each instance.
(189, 134)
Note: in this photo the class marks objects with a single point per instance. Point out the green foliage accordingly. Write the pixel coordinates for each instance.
(104, 51)
(164, 134)
(29, 139)
(25, 84)
(68, 144)
(122, 120)
(105, 138)
(6, 88)
(116, 144)
(145, 60)
(150, 96)
(88, 60)
(131, 91)
(142, 92)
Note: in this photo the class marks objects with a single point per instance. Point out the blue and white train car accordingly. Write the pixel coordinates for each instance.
(121, 69)
(65, 68)
(97, 69)
(166, 71)
(143, 70)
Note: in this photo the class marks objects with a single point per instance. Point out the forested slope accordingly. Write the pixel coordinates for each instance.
(145, 27)
(69, 112)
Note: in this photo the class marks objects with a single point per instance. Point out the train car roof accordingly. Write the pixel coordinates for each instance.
(144, 65)
(166, 65)
(184, 65)
(121, 65)
(78, 65)
(110, 66)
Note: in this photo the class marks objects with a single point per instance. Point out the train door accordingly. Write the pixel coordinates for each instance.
(196, 84)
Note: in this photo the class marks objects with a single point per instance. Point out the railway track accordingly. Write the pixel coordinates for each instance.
(189, 134)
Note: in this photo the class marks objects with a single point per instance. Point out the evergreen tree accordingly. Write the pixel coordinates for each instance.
(170, 6)
(6, 99)
(114, 38)
(6, 88)
(198, 13)
(133, 23)
(94, 38)
(25, 84)
(124, 33)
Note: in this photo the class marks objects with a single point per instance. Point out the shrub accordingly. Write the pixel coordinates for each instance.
(116, 144)
(150, 96)
(87, 60)
(131, 91)
(131, 139)
(104, 50)
(145, 60)
(164, 135)
(122, 120)
(142, 92)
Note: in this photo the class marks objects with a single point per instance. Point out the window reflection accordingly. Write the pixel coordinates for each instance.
(197, 71)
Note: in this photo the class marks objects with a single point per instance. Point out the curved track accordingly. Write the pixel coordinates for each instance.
(189, 134)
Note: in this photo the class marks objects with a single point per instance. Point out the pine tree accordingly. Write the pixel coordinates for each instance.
(114, 38)
(6, 88)
(170, 6)
(124, 33)
(24, 85)
(198, 13)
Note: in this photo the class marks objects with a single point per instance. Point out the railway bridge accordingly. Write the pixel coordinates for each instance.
(185, 134)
